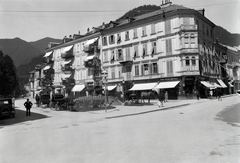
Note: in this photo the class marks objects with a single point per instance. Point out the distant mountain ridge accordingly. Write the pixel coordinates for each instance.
(21, 51)
(42, 43)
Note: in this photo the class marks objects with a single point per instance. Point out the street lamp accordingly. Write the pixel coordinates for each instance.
(123, 89)
(104, 75)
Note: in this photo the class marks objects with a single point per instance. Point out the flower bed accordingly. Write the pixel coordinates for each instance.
(87, 103)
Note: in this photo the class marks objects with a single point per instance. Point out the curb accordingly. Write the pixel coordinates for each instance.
(144, 112)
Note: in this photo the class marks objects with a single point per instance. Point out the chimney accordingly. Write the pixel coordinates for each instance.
(166, 3)
(103, 25)
(202, 12)
(70, 36)
(88, 30)
(79, 32)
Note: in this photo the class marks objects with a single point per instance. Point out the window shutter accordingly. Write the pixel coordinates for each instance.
(170, 46)
(150, 68)
(142, 69)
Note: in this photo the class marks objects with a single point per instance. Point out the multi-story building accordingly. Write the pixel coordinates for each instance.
(35, 80)
(70, 60)
(174, 43)
(170, 49)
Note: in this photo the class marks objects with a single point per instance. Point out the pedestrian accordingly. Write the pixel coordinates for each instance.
(197, 94)
(28, 104)
(166, 97)
(37, 98)
(211, 93)
(219, 95)
(161, 99)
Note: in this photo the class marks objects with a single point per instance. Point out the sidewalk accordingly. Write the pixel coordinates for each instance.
(123, 111)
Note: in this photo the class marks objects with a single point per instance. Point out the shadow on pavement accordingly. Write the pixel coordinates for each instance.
(139, 104)
(20, 116)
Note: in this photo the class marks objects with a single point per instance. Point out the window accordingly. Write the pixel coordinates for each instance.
(154, 47)
(153, 28)
(144, 31)
(155, 68)
(120, 72)
(186, 21)
(104, 41)
(120, 55)
(169, 68)
(187, 61)
(111, 39)
(112, 55)
(186, 41)
(193, 61)
(118, 38)
(192, 41)
(127, 52)
(135, 51)
(127, 35)
(144, 49)
(113, 72)
(105, 56)
(135, 33)
(167, 26)
(136, 70)
(90, 72)
(168, 46)
(145, 69)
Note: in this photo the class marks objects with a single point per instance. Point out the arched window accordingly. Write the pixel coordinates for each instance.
(193, 61)
(187, 61)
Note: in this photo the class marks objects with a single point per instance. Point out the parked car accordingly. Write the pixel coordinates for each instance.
(7, 107)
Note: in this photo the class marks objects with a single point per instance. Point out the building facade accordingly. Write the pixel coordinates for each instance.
(172, 48)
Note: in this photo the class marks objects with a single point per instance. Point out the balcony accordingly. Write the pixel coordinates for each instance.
(236, 78)
(188, 27)
(31, 79)
(189, 50)
(67, 68)
(126, 59)
(67, 52)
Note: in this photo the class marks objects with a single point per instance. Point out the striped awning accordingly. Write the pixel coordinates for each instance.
(143, 86)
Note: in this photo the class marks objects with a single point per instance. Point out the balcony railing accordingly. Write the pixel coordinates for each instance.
(127, 58)
(188, 27)
(189, 50)
(66, 68)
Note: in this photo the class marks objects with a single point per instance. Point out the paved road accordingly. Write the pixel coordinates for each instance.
(194, 133)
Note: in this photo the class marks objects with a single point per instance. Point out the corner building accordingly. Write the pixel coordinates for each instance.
(173, 45)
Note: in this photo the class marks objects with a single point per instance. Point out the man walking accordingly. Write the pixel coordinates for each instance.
(166, 97)
(28, 104)
(161, 99)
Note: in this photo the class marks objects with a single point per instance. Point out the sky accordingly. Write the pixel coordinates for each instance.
(32, 20)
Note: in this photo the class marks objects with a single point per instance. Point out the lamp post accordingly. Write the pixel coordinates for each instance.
(104, 75)
(123, 89)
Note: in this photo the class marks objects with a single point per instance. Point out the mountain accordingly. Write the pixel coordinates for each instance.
(19, 50)
(226, 37)
(42, 43)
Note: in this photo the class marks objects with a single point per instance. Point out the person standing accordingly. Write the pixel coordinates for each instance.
(37, 98)
(161, 99)
(197, 94)
(166, 97)
(28, 104)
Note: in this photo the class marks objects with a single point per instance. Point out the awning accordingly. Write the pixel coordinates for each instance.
(66, 49)
(230, 84)
(48, 54)
(67, 62)
(143, 86)
(223, 85)
(165, 85)
(207, 84)
(65, 76)
(111, 87)
(89, 57)
(47, 67)
(78, 88)
(216, 85)
(89, 42)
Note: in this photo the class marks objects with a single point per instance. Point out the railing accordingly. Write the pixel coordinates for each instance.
(189, 50)
(188, 27)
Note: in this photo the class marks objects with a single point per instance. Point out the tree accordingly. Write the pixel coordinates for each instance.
(8, 77)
